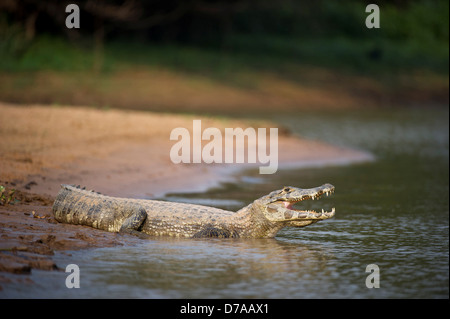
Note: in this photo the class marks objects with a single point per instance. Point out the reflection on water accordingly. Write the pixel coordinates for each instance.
(180, 268)
(393, 212)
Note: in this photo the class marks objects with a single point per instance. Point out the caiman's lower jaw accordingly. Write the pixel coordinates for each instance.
(289, 207)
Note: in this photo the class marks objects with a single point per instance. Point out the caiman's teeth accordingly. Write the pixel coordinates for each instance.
(323, 211)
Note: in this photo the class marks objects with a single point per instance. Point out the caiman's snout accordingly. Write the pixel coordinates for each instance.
(280, 205)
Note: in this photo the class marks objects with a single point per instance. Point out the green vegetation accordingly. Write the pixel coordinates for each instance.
(282, 39)
(271, 54)
(330, 34)
(7, 197)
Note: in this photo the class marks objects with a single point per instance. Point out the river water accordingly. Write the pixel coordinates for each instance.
(392, 213)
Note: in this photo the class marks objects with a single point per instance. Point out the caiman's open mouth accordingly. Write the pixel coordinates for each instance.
(282, 208)
(289, 204)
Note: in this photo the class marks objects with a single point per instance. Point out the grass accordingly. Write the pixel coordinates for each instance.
(245, 52)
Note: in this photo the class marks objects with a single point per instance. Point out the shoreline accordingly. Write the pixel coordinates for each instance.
(126, 153)
(118, 153)
(128, 173)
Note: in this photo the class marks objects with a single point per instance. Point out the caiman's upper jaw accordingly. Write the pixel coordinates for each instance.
(313, 194)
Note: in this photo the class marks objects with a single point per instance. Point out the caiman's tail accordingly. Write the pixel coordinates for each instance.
(74, 205)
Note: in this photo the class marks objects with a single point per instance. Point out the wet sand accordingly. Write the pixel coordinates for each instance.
(119, 153)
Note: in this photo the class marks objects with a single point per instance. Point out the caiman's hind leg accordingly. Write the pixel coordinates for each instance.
(211, 231)
(133, 224)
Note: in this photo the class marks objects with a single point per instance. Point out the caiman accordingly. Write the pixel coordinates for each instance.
(263, 218)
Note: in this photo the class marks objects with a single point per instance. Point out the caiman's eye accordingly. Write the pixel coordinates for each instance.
(286, 189)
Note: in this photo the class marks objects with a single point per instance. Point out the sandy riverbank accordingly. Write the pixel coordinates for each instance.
(120, 153)
(124, 153)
